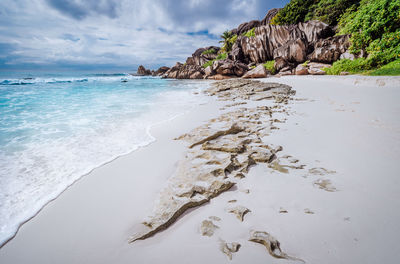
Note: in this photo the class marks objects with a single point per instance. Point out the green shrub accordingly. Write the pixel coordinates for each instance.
(210, 51)
(352, 66)
(269, 65)
(384, 50)
(221, 56)
(208, 63)
(306, 63)
(392, 68)
(228, 39)
(294, 12)
(370, 22)
(251, 33)
(330, 11)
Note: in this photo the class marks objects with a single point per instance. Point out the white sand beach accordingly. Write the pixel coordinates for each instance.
(344, 129)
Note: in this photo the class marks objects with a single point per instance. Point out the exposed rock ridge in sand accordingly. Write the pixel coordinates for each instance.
(220, 153)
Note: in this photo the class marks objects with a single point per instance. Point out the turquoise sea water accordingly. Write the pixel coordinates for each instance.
(56, 127)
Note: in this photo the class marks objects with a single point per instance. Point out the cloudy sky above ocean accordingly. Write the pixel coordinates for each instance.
(116, 33)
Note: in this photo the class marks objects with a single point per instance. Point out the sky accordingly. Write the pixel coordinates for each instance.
(116, 33)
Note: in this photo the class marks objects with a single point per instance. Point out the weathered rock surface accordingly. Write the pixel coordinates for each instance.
(229, 67)
(201, 56)
(160, 71)
(216, 154)
(292, 51)
(185, 71)
(315, 30)
(329, 50)
(257, 72)
(301, 70)
(244, 27)
(271, 243)
(143, 71)
(207, 228)
(229, 248)
(269, 16)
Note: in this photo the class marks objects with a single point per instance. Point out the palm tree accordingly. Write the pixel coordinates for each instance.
(226, 36)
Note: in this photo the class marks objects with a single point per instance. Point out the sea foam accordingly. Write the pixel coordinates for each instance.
(54, 132)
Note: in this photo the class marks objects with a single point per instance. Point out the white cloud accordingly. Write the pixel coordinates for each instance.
(125, 33)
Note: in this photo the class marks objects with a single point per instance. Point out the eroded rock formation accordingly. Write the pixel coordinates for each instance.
(218, 155)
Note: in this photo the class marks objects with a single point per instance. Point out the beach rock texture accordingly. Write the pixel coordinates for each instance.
(219, 154)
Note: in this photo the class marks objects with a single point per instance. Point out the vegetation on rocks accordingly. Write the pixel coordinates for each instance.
(269, 65)
(228, 39)
(210, 51)
(328, 11)
(221, 56)
(250, 33)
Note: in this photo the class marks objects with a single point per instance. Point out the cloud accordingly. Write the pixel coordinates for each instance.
(116, 32)
(79, 9)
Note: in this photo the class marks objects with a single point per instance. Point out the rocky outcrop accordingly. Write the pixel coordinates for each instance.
(202, 55)
(269, 16)
(315, 30)
(185, 71)
(257, 72)
(143, 71)
(268, 38)
(294, 51)
(288, 45)
(329, 50)
(244, 27)
(228, 67)
(160, 71)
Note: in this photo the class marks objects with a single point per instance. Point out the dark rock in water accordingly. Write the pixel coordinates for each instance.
(244, 27)
(329, 50)
(143, 71)
(269, 16)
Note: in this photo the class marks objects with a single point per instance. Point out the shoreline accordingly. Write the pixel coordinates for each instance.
(41, 225)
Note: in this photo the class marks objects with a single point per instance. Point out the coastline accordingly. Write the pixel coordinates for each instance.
(93, 219)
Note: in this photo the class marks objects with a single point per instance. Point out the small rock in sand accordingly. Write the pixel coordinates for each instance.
(308, 211)
(207, 228)
(283, 211)
(229, 248)
(215, 218)
(325, 184)
(239, 211)
(271, 243)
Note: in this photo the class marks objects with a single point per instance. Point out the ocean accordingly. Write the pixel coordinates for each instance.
(56, 127)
